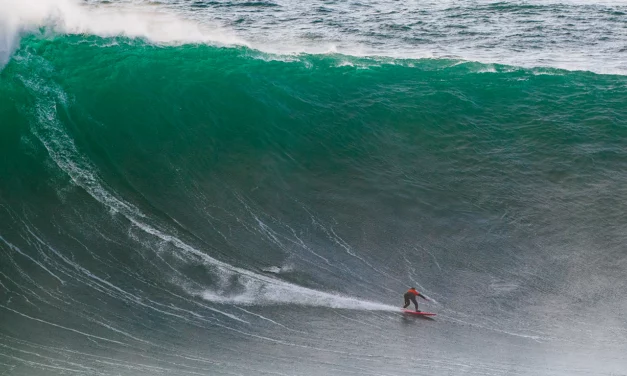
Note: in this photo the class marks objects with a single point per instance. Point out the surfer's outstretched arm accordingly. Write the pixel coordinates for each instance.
(424, 297)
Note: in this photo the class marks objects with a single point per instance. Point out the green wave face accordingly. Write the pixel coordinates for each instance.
(152, 116)
(146, 191)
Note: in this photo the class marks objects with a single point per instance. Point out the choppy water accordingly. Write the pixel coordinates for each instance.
(212, 188)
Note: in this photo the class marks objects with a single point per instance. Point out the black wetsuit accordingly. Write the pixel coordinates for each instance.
(410, 297)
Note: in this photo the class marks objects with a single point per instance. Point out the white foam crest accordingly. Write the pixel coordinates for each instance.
(165, 26)
(133, 21)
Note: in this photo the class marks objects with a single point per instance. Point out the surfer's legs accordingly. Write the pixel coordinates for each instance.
(413, 300)
(407, 298)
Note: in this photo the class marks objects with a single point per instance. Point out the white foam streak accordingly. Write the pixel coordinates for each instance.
(260, 289)
(16, 249)
(63, 327)
(278, 292)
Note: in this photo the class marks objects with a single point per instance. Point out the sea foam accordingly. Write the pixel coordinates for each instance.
(18, 17)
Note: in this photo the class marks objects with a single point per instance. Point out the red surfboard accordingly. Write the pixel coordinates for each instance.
(421, 313)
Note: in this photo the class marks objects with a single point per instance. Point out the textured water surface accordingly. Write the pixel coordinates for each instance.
(236, 188)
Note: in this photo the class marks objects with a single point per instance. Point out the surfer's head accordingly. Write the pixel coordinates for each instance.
(412, 288)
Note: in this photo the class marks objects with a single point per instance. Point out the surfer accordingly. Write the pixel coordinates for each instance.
(411, 295)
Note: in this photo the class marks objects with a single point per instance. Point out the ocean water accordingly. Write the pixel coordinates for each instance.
(248, 187)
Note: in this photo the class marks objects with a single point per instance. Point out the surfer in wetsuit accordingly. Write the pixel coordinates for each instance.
(411, 295)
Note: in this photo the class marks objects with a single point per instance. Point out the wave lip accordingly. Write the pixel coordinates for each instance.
(70, 17)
